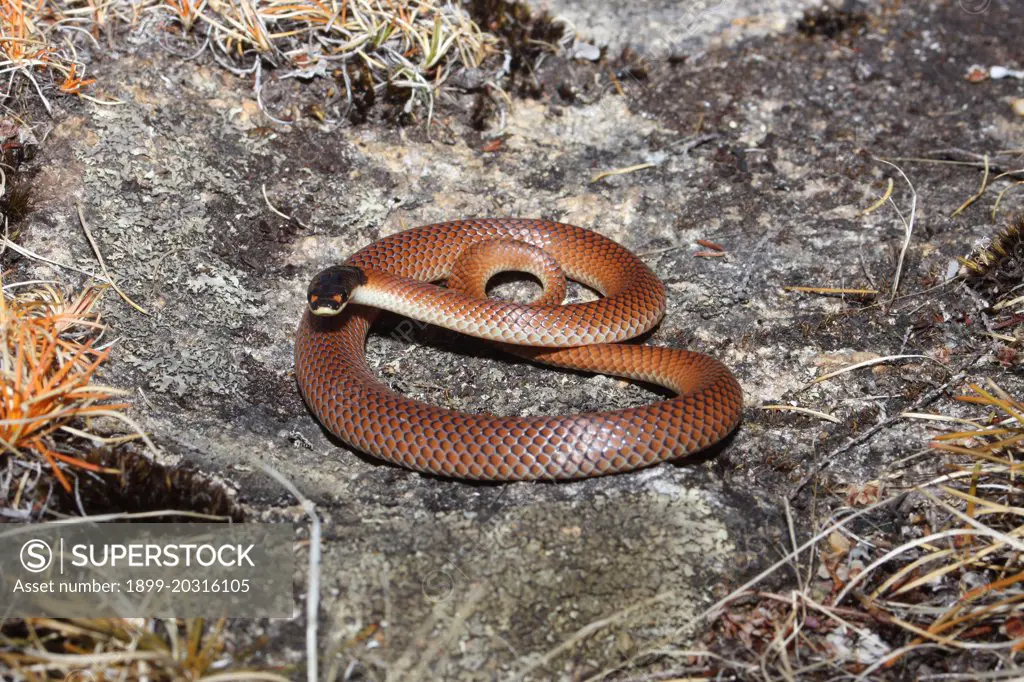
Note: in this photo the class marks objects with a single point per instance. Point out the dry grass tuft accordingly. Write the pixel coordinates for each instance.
(995, 272)
(934, 585)
(166, 650)
(48, 359)
(33, 45)
(405, 49)
(1000, 262)
(984, 533)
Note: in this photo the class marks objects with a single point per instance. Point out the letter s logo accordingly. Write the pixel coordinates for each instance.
(36, 556)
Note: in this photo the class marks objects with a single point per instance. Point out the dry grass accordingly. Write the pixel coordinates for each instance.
(995, 272)
(28, 48)
(393, 46)
(48, 359)
(982, 541)
(167, 650)
(942, 587)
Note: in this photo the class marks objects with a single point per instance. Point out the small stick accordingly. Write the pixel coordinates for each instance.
(908, 226)
(46, 103)
(8, 244)
(868, 363)
(885, 197)
(1001, 304)
(832, 290)
(1000, 337)
(1009, 172)
(622, 171)
(999, 197)
(103, 265)
(972, 199)
(937, 418)
(274, 209)
(802, 410)
(918, 159)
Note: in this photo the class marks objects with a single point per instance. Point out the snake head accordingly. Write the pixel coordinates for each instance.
(332, 288)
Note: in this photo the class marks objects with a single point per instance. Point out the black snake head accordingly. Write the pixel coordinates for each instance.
(331, 289)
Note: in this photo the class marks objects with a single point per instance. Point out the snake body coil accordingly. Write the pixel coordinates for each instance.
(396, 274)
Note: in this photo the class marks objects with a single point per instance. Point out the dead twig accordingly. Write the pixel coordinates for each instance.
(885, 197)
(832, 290)
(977, 195)
(802, 410)
(908, 228)
(621, 171)
(103, 265)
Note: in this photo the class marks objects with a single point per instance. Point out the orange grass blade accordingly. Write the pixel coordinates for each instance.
(47, 455)
(82, 464)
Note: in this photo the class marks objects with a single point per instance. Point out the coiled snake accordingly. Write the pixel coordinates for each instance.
(397, 274)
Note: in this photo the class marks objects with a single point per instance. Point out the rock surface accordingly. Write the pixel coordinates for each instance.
(767, 146)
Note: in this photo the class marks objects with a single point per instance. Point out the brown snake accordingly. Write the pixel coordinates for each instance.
(396, 274)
